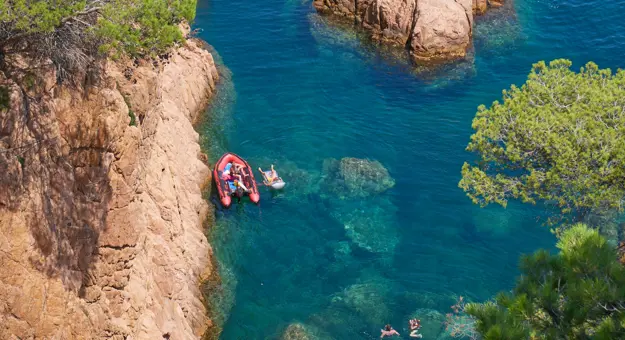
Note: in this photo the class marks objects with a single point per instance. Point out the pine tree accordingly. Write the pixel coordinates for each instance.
(560, 138)
(576, 294)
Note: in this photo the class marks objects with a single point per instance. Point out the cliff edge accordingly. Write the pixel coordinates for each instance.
(101, 209)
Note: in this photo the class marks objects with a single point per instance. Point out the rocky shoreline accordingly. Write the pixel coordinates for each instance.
(431, 30)
(101, 207)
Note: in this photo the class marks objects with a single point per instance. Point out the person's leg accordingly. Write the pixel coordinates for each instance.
(414, 334)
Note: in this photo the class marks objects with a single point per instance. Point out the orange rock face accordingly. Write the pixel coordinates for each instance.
(432, 30)
(100, 220)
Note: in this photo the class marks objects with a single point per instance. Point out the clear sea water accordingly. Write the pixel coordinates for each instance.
(296, 90)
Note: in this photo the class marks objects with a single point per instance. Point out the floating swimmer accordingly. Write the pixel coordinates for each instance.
(271, 178)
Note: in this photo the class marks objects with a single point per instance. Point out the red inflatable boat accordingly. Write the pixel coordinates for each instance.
(228, 187)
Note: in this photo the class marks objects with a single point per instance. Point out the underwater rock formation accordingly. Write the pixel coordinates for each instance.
(370, 224)
(368, 300)
(355, 178)
(432, 322)
(299, 331)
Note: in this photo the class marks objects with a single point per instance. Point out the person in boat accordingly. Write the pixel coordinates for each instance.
(269, 176)
(237, 169)
(415, 324)
(388, 331)
(231, 177)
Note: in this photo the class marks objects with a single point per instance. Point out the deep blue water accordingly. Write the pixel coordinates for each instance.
(296, 91)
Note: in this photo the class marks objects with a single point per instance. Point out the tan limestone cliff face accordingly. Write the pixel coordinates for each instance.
(432, 30)
(101, 222)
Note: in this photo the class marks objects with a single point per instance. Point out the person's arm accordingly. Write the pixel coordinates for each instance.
(263, 173)
(396, 333)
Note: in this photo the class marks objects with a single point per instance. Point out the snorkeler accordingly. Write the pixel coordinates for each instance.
(388, 331)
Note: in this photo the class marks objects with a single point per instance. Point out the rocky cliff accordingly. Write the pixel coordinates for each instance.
(432, 30)
(100, 201)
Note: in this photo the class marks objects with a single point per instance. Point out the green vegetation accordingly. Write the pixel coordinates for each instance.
(576, 294)
(21, 160)
(133, 118)
(131, 114)
(90, 29)
(5, 98)
(558, 139)
(143, 27)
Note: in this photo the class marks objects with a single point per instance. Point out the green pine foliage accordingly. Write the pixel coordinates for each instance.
(576, 294)
(560, 138)
(32, 16)
(143, 27)
(75, 34)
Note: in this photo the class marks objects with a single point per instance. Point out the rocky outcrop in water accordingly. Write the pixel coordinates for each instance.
(355, 178)
(432, 30)
(101, 209)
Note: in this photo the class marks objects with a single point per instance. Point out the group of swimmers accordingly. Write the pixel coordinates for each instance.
(414, 324)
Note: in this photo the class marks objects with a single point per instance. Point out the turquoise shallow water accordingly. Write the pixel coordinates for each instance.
(297, 91)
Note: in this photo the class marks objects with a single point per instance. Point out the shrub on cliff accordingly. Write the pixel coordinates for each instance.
(560, 138)
(576, 294)
(74, 34)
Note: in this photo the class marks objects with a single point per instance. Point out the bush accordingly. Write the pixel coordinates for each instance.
(75, 34)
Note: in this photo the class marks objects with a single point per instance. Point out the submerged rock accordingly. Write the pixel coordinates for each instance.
(432, 322)
(370, 224)
(299, 331)
(355, 178)
(368, 300)
(498, 33)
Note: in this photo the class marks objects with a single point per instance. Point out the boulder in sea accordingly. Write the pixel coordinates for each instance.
(433, 30)
(432, 322)
(355, 178)
(299, 331)
(441, 31)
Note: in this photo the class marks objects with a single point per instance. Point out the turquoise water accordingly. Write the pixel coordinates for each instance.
(297, 91)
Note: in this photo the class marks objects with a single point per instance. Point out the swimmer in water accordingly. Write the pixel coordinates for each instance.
(388, 331)
(415, 324)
